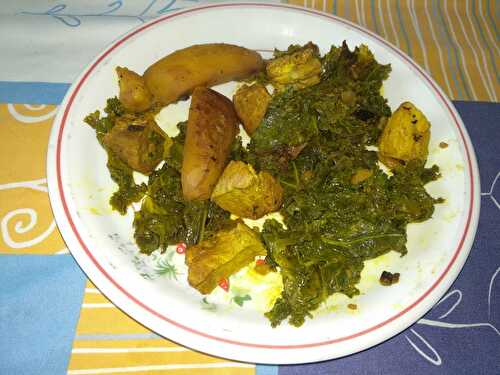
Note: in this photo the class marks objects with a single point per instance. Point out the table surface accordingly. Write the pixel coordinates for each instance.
(54, 321)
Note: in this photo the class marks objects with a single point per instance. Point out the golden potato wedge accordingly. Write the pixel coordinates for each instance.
(222, 255)
(211, 129)
(134, 95)
(176, 75)
(245, 193)
(250, 103)
(406, 135)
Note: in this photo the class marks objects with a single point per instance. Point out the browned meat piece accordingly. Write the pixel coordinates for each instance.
(251, 104)
(405, 136)
(222, 255)
(137, 141)
(245, 193)
(299, 69)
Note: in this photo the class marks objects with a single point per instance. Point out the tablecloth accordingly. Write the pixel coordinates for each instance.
(54, 321)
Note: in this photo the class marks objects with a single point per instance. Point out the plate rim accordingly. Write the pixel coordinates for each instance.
(437, 289)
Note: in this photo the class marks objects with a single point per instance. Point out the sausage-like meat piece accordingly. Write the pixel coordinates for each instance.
(177, 74)
(211, 129)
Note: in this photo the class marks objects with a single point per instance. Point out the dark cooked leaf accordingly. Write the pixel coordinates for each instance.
(334, 222)
(289, 121)
(174, 158)
(128, 191)
(166, 219)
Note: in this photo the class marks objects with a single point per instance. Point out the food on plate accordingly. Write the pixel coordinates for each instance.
(221, 255)
(211, 129)
(312, 157)
(165, 218)
(388, 278)
(406, 135)
(137, 141)
(250, 103)
(177, 74)
(134, 95)
(299, 67)
(332, 225)
(244, 193)
(121, 173)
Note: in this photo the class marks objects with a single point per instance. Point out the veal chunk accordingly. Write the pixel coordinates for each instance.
(138, 141)
(251, 104)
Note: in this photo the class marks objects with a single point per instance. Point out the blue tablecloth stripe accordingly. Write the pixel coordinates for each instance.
(40, 300)
(32, 92)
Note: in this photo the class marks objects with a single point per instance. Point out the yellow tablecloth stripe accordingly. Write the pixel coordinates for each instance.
(27, 224)
(107, 340)
(456, 41)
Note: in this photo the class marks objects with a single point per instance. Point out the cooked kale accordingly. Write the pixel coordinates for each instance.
(345, 107)
(103, 124)
(333, 226)
(339, 208)
(165, 218)
(332, 223)
(128, 191)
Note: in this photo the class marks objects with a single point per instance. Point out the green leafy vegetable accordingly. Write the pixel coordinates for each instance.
(128, 191)
(345, 107)
(339, 209)
(332, 224)
(165, 218)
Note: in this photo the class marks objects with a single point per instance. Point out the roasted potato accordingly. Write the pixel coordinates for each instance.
(361, 175)
(405, 136)
(211, 129)
(245, 193)
(221, 255)
(137, 141)
(134, 95)
(300, 68)
(176, 75)
(250, 103)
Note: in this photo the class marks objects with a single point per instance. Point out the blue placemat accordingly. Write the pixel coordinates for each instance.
(40, 299)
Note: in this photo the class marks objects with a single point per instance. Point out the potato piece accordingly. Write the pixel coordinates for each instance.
(134, 95)
(299, 69)
(245, 194)
(211, 129)
(176, 75)
(250, 103)
(361, 175)
(406, 135)
(137, 141)
(222, 255)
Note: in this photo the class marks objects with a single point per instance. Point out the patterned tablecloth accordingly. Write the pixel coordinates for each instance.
(53, 320)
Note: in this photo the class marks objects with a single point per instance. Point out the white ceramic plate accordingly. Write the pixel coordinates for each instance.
(153, 290)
